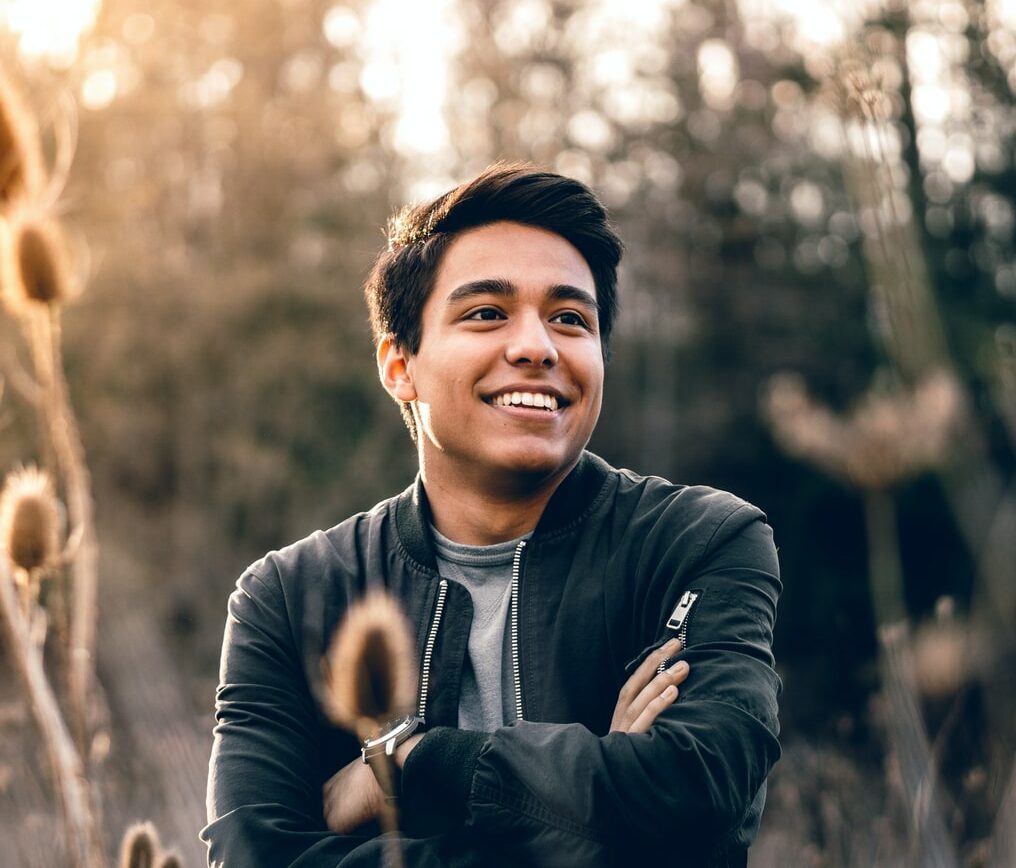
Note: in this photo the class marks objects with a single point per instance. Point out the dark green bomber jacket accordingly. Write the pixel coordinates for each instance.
(617, 565)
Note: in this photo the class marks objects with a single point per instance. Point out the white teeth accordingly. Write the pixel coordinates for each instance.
(525, 399)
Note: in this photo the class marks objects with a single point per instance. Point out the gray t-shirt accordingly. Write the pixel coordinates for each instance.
(487, 701)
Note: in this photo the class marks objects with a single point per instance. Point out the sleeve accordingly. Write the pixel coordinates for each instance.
(691, 788)
(268, 765)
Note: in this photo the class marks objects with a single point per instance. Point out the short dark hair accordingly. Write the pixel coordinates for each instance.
(403, 275)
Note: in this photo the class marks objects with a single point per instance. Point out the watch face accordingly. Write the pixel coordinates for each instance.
(393, 732)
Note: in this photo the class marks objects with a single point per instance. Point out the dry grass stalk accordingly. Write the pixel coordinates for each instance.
(37, 278)
(36, 268)
(371, 678)
(84, 843)
(370, 668)
(21, 164)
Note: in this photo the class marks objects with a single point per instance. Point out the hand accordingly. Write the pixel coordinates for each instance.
(352, 796)
(647, 693)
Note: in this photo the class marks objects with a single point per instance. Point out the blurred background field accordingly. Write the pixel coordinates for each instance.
(818, 313)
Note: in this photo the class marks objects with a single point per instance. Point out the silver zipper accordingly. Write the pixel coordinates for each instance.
(679, 620)
(516, 565)
(429, 649)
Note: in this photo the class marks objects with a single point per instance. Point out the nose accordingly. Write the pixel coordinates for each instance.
(530, 343)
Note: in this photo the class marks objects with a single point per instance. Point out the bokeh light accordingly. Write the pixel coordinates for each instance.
(49, 29)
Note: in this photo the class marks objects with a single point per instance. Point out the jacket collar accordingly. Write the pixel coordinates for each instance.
(569, 504)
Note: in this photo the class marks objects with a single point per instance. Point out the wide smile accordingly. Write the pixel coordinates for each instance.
(543, 402)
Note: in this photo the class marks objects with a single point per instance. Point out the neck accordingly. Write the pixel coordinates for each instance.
(482, 515)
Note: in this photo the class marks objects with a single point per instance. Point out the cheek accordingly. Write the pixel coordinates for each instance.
(593, 373)
(596, 386)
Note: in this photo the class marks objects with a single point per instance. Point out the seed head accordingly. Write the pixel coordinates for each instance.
(21, 165)
(29, 520)
(863, 83)
(140, 846)
(370, 668)
(885, 439)
(170, 860)
(36, 265)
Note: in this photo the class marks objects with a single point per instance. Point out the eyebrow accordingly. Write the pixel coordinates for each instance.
(502, 288)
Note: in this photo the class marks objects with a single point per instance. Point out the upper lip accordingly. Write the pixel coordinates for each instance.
(528, 387)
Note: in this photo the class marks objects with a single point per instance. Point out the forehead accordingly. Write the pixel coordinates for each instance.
(528, 257)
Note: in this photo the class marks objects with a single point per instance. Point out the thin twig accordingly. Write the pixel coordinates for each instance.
(29, 390)
(83, 838)
(67, 445)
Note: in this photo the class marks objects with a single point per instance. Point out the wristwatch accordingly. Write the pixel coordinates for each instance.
(392, 734)
(377, 752)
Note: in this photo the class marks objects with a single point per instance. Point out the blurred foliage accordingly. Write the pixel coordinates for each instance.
(234, 168)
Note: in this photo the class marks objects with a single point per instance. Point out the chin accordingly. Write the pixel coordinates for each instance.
(536, 463)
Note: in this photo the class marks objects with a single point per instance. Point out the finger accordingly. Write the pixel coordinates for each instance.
(647, 669)
(645, 672)
(672, 676)
(653, 709)
(638, 681)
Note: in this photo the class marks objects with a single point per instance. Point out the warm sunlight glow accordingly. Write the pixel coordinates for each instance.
(49, 29)
(816, 25)
(718, 74)
(1004, 12)
(408, 48)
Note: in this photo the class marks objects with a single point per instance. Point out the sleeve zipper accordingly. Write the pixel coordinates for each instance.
(679, 620)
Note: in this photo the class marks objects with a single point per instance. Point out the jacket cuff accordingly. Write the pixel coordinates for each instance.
(437, 779)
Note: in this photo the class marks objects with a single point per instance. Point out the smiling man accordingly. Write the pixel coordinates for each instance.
(598, 686)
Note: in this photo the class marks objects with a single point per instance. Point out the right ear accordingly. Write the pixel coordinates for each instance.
(393, 369)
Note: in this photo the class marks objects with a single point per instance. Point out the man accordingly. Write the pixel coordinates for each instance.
(558, 602)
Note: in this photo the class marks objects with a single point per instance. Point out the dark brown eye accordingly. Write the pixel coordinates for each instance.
(570, 318)
(486, 314)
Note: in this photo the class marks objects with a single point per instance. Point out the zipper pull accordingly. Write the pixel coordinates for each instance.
(681, 610)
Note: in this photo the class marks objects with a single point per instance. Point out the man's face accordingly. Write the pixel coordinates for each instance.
(508, 379)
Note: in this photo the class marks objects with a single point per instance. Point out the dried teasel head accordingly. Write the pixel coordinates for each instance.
(36, 264)
(140, 847)
(170, 860)
(370, 667)
(29, 520)
(863, 83)
(883, 440)
(21, 164)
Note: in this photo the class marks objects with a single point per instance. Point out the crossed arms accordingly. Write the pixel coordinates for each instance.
(353, 797)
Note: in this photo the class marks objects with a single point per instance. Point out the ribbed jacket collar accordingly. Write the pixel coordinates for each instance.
(574, 498)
